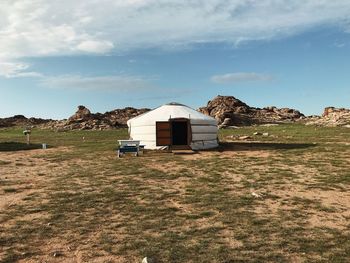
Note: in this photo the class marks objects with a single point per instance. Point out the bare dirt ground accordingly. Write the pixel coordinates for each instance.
(243, 202)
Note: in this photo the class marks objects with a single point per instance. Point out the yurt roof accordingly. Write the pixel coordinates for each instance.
(172, 110)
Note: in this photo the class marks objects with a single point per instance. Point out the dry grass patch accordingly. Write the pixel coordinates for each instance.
(77, 202)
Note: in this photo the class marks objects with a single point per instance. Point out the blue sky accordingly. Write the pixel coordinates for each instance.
(144, 53)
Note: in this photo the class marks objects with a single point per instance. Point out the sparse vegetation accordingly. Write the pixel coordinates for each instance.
(4, 162)
(78, 200)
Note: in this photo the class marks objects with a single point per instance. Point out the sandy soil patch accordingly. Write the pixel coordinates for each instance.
(24, 174)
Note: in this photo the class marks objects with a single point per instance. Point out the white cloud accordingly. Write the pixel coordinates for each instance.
(16, 69)
(93, 46)
(36, 28)
(339, 44)
(40, 27)
(240, 77)
(106, 83)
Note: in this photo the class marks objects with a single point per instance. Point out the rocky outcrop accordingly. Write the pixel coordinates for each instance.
(22, 121)
(83, 119)
(331, 117)
(229, 111)
(80, 115)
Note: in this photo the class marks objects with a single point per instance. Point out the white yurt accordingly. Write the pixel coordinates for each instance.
(176, 126)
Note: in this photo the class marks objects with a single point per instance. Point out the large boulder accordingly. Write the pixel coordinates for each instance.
(228, 111)
(80, 115)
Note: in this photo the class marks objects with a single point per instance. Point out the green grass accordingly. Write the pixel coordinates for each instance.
(9, 190)
(4, 162)
(80, 195)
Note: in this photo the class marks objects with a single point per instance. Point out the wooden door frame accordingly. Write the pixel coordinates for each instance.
(157, 130)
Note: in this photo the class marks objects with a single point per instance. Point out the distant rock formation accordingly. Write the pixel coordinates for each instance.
(80, 115)
(229, 111)
(83, 119)
(331, 117)
(20, 120)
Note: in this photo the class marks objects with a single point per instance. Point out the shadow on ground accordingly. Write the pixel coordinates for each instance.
(18, 146)
(257, 146)
(236, 147)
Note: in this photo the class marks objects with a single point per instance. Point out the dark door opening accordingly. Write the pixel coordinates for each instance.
(179, 132)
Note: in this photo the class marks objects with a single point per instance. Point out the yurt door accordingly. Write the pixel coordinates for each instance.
(163, 133)
(179, 132)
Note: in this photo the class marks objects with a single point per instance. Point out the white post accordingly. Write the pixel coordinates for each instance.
(26, 133)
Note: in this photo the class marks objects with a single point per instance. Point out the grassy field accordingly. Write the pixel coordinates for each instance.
(281, 198)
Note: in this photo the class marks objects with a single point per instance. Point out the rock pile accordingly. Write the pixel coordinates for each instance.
(331, 117)
(20, 120)
(83, 119)
(229, 111)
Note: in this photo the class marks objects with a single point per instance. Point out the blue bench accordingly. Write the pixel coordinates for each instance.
(129, 146)
(128, 149)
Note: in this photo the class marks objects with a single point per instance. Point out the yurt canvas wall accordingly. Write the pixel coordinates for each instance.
(174, 125)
